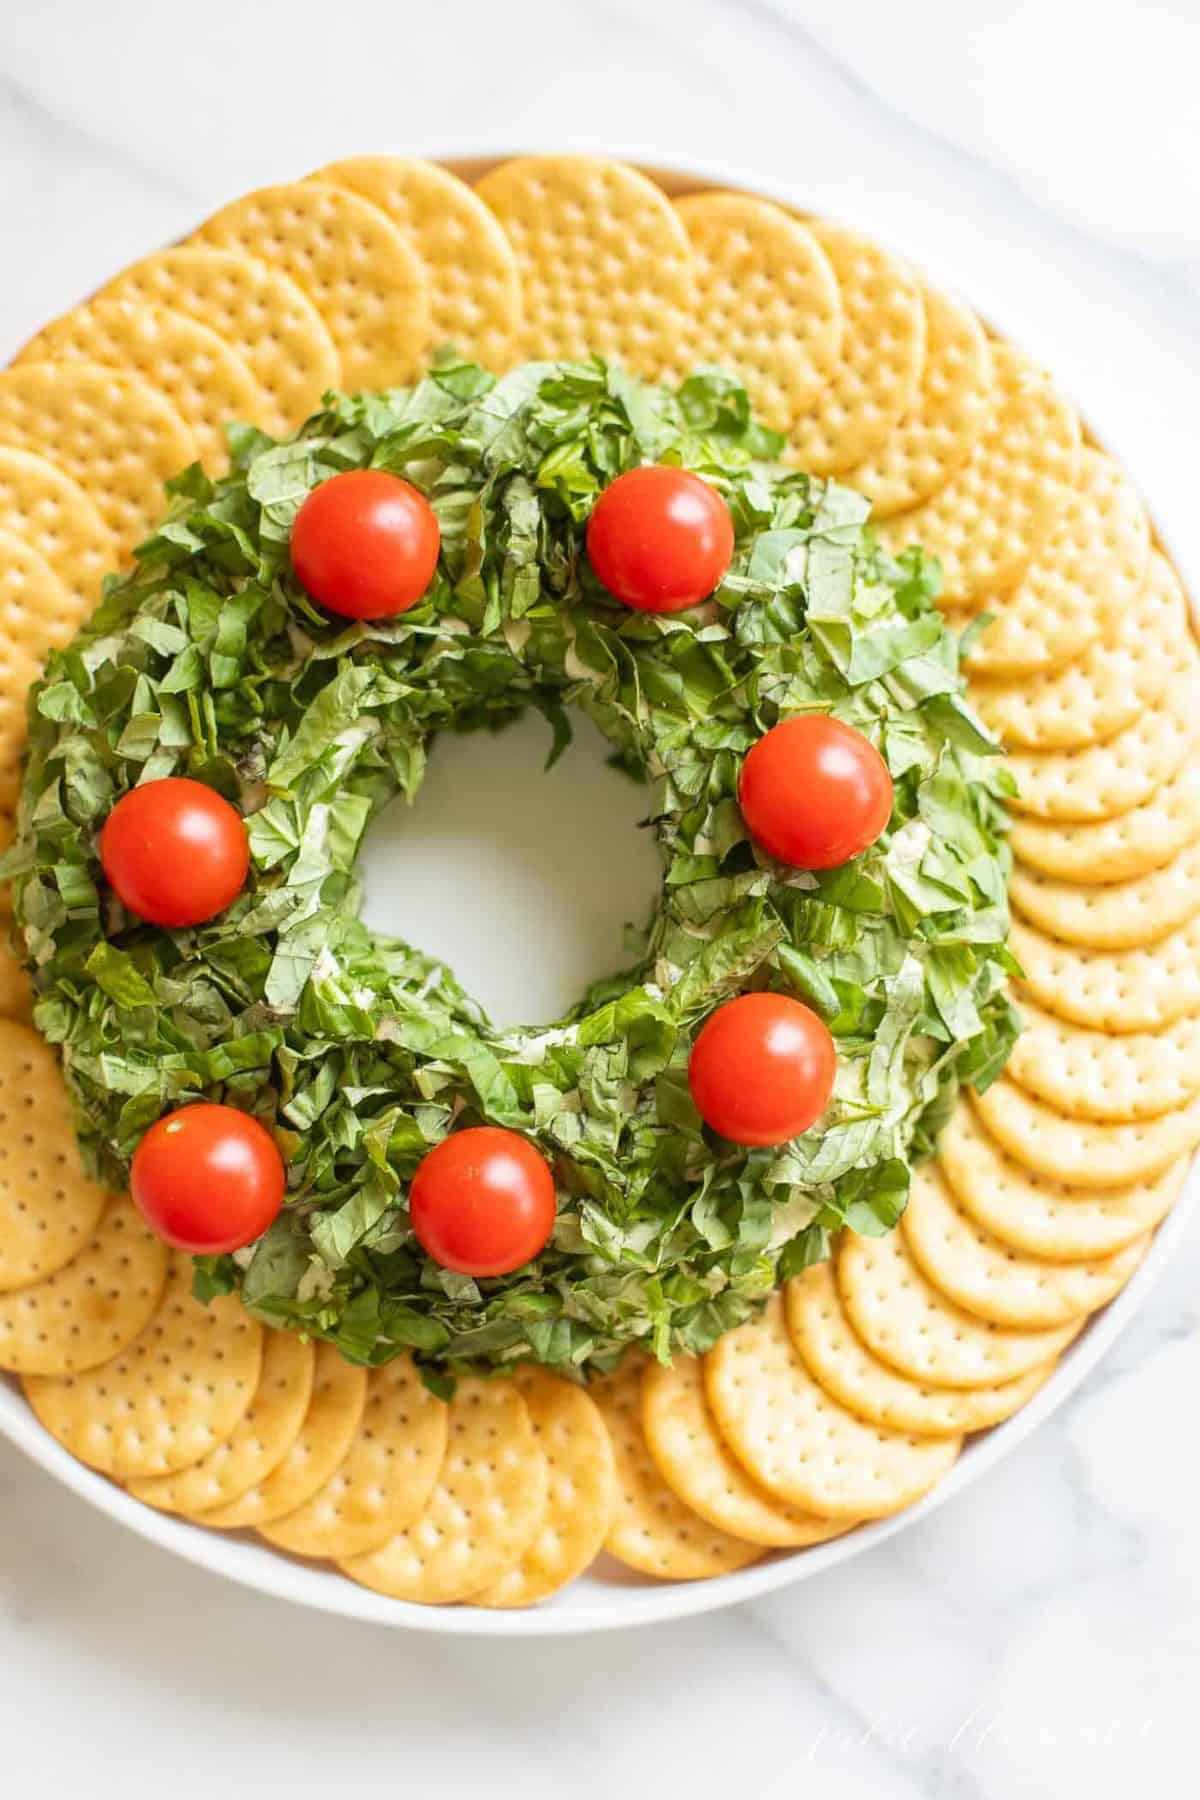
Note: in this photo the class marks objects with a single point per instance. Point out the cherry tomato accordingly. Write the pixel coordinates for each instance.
(174, 852)
(208, 1179)
(815, 792)
(482, 1202)
(660, 539)
(365, 544)
(762, 1069)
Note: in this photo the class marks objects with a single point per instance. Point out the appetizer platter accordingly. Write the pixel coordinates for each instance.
(788, 1225)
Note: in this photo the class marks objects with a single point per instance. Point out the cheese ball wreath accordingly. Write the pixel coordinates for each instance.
(360, 1054)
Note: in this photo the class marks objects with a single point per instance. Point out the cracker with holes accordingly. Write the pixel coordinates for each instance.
(484, 1511)
(92, 1308)
(877, 376)
(337, 1396)
(1083, 1152)
(48, 1208)
(908, 1323)
(840, 1362)
(605, 263)
(109, 429)
(1133, 844)
(384, 1481)
(1081, 581)
(798, 1441)
(1039, 1215)
(696, 1463)
(58, 521)
(1113, 990)
(1100, 781)
(474, 279)
(260, 313)
(164, 1402)
(652, 1528)
(1121, 915)
(987, 523)
(202, 376)
(255, 1447)
(934, 438)
(39, 612)
(768, 305)
(1107, 689)
(360, 272)
(580, 1491)
(993, 1281)
(19, 669)
(1094, 1074)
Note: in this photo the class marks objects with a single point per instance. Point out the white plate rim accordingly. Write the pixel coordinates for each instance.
(635, 1603)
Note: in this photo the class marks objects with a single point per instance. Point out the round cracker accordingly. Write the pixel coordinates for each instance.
(474, 281)
(847, 1370)
(767, 307)
(359, 271)
(1101, 781)
(92, 1308)
(652, 1529)
(38, 611)
(260, 313)
(906, 1322)
(936, 436)
(202, 376)
(877, 376)
(1082, 580)
(1113, 990)
(1106, 690)
(1145, 838)
(179, 1388)
(48, 1208)
(799, 1443)
(696, 1463)
(386, 1477)
(988, 521)
(59, 523)
(580, 1494)
(339, 1393)
(1081, 1152)
(485, 1509)
(1041, 1217)
(109, 429)
(1113, 916)
(606, 267)
(257, 1444)
(19, 669)
(1095, 1075)
(991, 1280)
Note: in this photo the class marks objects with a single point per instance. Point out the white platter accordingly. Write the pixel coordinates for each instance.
(408, 870)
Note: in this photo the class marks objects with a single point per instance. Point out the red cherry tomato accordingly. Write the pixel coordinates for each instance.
(762, 1069)
(365, 544)
(660, 539)
(482, 1202)
(208, 1179)
(174, 852)
(815, 792)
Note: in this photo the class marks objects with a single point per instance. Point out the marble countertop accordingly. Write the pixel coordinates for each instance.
(1039, 1635)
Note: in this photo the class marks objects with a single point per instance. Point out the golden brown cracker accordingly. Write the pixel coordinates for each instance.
(359, 271)
(1112, 990)
(767, 307)
(164, 1402)
(1111, 915)
(485, 1510)
(92, 1308)
(1132, 845)
(606, 267)
(1096, 1075)
(59, 523)
(48, 1208)
(474, 280)
(113, 433)
(799, 1443)
(1082, 1152)
(259, 311)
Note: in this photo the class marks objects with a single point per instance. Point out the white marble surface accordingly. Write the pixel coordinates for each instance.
(1039, 1636)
